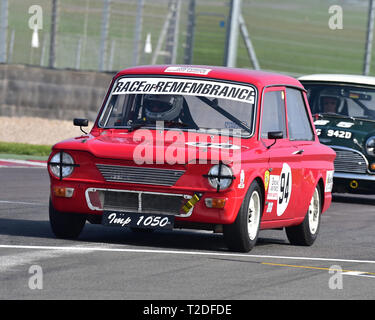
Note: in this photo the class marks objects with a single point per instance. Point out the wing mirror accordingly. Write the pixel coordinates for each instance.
(275, 135)
(81, 123)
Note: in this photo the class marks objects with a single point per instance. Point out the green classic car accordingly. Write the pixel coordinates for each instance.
(343, 108)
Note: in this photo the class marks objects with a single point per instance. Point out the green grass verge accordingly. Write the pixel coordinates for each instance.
(24, 149)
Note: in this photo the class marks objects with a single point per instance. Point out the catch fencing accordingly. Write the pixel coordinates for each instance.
(293, 37)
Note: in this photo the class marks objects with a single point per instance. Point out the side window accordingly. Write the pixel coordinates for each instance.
(298, 121)
(273, 114)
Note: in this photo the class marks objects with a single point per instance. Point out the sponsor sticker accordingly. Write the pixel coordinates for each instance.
(266, 179)
(185, 87)
(344, 124)
(273, 187)
(321, 122)
(241, 185)
(188, 70)
(329, 181)
(269, 207)
(214, 145)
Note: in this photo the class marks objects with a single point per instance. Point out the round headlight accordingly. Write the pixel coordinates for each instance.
(66, 163)
(370, 146)
(220, 180)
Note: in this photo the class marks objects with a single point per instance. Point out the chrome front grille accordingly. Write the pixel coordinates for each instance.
(137, 201)
(348, 160)
(140, 175)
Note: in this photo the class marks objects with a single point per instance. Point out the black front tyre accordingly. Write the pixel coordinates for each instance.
(242, 234)
(66, 225)
(306, 233)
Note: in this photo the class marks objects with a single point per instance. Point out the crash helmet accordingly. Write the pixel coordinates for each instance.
(162, 107)
(330, 101)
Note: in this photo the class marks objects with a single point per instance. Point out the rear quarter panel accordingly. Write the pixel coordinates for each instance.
(318, 160)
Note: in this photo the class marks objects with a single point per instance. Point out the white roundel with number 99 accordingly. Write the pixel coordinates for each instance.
(285, 189)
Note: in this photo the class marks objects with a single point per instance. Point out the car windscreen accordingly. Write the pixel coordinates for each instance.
(341, 100)
(186, 104)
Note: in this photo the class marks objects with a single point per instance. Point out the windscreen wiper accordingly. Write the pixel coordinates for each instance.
(332, 114)
(176, 123)
(136, 126)
(213, 104)
(336, 115)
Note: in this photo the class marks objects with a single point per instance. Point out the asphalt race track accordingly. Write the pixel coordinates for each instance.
(110, 263)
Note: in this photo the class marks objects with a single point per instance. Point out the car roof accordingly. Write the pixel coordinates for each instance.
(339, 78)
(257, 78)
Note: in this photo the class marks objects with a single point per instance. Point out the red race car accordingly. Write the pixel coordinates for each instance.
(210, 148)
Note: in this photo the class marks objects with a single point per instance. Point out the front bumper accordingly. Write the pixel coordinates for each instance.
(145, 199)
(353, 183)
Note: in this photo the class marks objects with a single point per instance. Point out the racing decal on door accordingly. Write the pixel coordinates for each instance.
(273, 187)
(241, 185)
(266, 179)
(284, 190)
(269, 207)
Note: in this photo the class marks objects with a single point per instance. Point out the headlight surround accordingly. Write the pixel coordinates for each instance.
(220, 180)
(61, 165)
(370, 146)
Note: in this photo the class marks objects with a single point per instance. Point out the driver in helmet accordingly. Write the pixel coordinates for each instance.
(329, 103)
(160, 107)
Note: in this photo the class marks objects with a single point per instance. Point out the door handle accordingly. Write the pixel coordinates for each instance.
(299, 151)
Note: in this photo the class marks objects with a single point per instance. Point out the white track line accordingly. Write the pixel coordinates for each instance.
(177, 252)
(25, 203)
(33, 163)
(11, 262)
(358, 274)
(21, 167)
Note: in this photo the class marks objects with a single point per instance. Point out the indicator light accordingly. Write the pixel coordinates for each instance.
(63, 192)
(215, 203)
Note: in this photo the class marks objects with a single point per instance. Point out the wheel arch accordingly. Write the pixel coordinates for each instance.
(321, 187)
(263, 189)
(260, 182)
